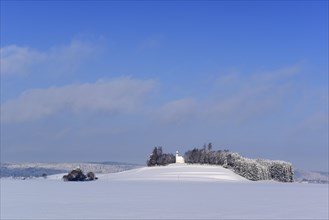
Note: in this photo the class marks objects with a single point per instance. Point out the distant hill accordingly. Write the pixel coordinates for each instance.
(304, 176)
(115, 163)
(38, 169)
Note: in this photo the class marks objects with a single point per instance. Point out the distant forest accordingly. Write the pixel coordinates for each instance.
(252, 169)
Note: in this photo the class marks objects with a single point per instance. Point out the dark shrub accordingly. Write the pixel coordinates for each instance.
(66, 178)
(90, 176)
(78, 175)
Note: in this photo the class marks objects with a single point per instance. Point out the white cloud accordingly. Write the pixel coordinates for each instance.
(279, 74)
(16, 60)
(178, 111)
(236, 99)
(121, 95)
(249, 102)
(240, 98)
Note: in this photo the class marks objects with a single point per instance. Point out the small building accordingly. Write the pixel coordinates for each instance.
(179, 159)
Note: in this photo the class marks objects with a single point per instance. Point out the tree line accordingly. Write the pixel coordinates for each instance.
(252, 169)
(158, 158)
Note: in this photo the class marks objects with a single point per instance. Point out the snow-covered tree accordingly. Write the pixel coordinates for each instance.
(251, 169)
(158, 158)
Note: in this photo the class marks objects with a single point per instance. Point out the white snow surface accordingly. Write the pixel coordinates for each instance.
(178, 172)
(176, 191)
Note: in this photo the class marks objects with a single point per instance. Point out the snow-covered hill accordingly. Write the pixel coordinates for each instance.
(304, 176)
(177, 172)
(200, 172)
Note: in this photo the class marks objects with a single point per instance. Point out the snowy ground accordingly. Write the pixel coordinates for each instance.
(171, 192)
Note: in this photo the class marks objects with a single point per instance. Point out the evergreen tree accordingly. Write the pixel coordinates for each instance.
(158, 158)
(153, 157)
(209, 146)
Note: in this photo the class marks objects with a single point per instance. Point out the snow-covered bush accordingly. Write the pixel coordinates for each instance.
(91, 176)
(78, 175)
(279, 170)
(252, 169)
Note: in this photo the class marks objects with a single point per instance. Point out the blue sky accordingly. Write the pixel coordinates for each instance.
(108, 81)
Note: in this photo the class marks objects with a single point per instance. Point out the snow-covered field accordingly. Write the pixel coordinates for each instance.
(171, 192)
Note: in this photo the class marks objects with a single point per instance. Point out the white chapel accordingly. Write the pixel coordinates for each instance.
(179, 159)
